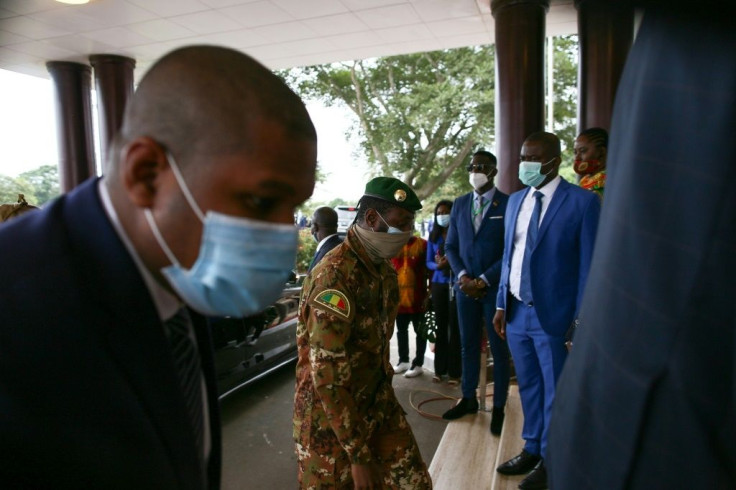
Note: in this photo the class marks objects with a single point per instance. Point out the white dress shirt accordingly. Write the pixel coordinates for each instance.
(322, 242)
(522, 224)
(166, 303)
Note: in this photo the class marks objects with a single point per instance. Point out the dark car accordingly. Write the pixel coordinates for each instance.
(247, 349)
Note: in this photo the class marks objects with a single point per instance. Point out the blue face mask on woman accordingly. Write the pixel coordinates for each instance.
(242, 264)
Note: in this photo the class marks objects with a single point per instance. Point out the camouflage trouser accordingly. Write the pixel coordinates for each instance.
(325, 465)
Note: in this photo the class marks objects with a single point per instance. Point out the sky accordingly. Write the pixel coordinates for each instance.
(28, 137)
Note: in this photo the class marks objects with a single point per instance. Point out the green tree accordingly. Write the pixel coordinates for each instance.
(419, 115)
(565, 85)
(10, 188)
(45, 182)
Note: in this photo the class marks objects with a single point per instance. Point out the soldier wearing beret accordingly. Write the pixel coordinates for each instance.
(349, 428)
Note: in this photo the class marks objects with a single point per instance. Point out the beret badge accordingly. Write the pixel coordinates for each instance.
(400, 195)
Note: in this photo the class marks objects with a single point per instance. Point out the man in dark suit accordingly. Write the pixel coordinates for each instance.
(106, 379)
(550, 232)
(474, 248)
(648, 396)
(324, 230)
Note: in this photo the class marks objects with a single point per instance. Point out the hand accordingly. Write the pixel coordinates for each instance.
(469, 287)
(499, 323)
(466, 284)
(442, 263)
(365, 476)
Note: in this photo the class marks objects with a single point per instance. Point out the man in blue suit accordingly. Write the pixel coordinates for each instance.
(550, 232)
(107, 376)
(474, 249)
(648, 397)
(324, 230)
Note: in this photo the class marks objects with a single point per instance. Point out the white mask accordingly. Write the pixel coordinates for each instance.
(443, 220)
(477, 179)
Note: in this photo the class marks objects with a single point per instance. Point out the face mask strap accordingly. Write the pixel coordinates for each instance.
(159, 238)
(386, 223)
(183, 186)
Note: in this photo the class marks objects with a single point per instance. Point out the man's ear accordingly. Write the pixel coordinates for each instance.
(371, 218)
(142, 162)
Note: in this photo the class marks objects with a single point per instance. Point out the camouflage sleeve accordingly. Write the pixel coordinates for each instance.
(329, 324)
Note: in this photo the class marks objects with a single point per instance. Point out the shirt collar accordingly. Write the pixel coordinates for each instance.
(323, 241)
(549, 189)
(488, 195)
(166, 303)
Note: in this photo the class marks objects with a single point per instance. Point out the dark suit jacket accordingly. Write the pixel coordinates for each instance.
(331, 243)
(561, 257)
(647, 398)
(477, 253)
(89, 396)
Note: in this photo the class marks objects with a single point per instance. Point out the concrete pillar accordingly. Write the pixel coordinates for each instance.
(520, 31)
(114, 85)
(73, 121)
(605, 34)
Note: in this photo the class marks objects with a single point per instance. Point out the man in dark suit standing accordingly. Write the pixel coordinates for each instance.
(324, 231)
(648, 396)
(474, 249)
(550, 232)
(106, 365)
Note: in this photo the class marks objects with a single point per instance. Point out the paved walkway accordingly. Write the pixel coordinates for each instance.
(258, 450)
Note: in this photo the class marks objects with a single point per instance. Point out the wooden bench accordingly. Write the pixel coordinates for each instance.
(468, 453)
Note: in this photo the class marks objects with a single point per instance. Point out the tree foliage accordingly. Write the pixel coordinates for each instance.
(419, 115)
(565, 84)
(38, 186)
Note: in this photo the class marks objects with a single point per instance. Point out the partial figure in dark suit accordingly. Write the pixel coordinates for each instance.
(324, 231)
(550, 233)
(648, 397)
(107, 376)
(474, 248)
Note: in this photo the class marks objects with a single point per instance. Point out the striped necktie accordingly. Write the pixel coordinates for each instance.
(478, 213)
(187, 363)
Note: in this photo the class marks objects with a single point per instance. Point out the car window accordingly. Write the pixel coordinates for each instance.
(345, 217)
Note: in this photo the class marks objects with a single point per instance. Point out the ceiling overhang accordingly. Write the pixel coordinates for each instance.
(279, 33)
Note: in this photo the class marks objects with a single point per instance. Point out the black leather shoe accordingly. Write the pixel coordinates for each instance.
(497, 420)
(466, 406)
(518, 465)
(537, 479)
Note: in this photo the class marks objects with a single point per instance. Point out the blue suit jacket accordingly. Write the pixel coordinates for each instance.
(561, 257)
(646, 399)
(477, 253)
(89, 396)
(331, 243)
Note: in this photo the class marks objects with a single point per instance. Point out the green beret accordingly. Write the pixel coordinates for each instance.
(394, 191)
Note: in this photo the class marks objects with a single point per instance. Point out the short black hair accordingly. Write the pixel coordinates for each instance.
(487, 154)
(326, 217)
(550, 142)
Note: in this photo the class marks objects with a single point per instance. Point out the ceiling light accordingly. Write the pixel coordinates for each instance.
(73, 2)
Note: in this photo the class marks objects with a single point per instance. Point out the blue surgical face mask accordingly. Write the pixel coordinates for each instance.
(530, 173)
(443, 220)
(242, 264)
(391, 229)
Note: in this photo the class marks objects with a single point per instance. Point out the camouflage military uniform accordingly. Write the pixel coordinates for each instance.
(345, 409)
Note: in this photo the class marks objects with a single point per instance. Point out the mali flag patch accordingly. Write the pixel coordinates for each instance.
(335, 301)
